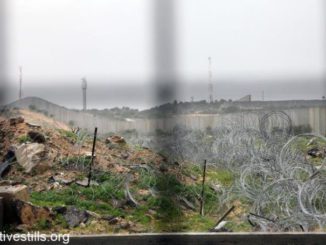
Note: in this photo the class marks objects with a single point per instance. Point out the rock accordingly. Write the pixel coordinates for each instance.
(74, 216)
(216, 187)
(115, 139)
(112, 220)
(124, 156)
(125, 224)
(16, 120)
(315, 152)
(8, 182)
(60, 209)
(121, 169)
(33, 125)
(163, 167)
(62, 180)
(88, 155)
(144, 192)
(14, 192)
(36, 137)
(54, 186)
(94, 215)
(33, 156)
(22, 228)
(51, 180)
(193, 177)
(29, 214)
(84, 182)
(10, 194)
(152, 212)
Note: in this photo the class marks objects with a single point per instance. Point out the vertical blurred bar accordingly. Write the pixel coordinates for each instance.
(164, 50)
(323, 2)
(3, 55)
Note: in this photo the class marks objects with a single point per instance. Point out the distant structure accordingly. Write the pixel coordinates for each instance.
(246, 98)
(210, 83)
(263, 95)
(20, 81)
(84, 88)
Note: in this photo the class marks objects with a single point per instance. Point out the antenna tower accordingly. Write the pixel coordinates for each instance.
(84, 88)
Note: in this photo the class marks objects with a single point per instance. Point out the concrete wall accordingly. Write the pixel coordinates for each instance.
(311, 113)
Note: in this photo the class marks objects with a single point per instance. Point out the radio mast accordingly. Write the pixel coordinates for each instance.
(84, 88)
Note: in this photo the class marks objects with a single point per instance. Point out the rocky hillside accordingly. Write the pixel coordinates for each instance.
(44, 172)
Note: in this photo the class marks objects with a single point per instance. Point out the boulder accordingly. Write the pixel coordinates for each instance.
(16, 120)
(14, 192)
(74, 216)
(33, 156)
(9, 195)
(36, 137)
(29, 214)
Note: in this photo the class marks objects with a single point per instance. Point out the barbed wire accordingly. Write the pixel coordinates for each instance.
(286, 189)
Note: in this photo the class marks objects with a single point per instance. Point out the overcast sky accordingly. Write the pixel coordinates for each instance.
(279, 42)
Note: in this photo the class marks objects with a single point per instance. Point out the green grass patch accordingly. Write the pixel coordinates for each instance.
(76, 162)
(97, 199)
(223, 176)
(24, 138)
(243, 226)
(69, 135)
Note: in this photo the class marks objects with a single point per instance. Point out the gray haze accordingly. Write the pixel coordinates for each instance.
(276, 46)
